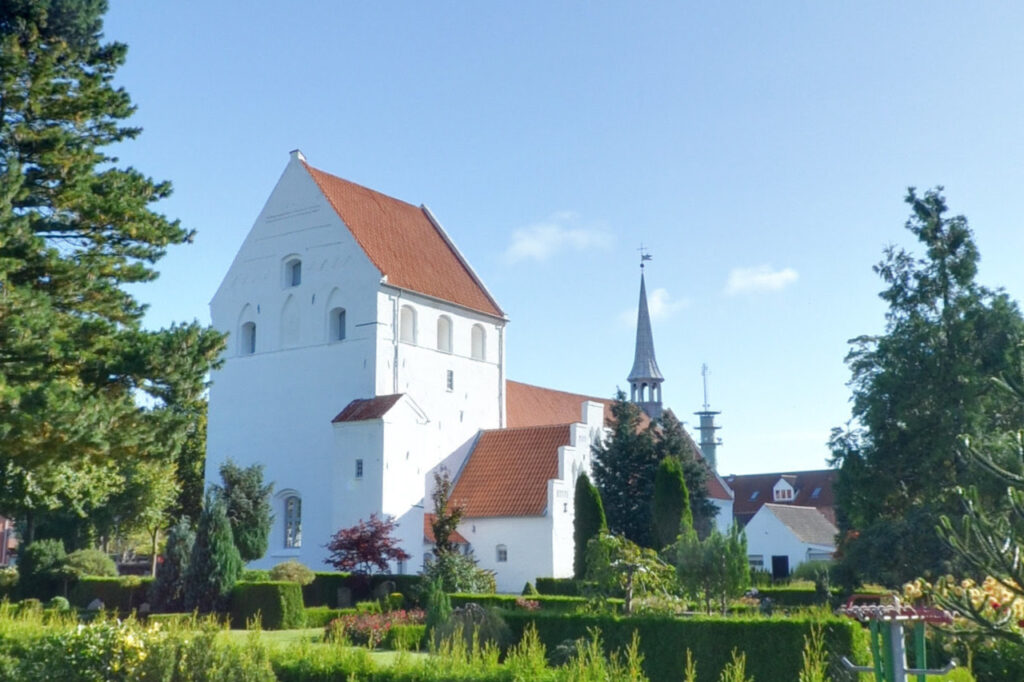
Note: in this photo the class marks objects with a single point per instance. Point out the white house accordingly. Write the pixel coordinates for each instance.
(780, 537)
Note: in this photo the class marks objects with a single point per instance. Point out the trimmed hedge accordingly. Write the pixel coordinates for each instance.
(320, 616)
(548, 603)
(113, 592)
(405, 637)
(773, 645)
(565, 587)
(323, 591)
(278, 604)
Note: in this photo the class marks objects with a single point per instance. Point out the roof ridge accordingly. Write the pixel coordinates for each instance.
(506, 429)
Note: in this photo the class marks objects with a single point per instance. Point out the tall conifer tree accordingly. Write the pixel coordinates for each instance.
(215, 564)
(588, 522)
(671, 515)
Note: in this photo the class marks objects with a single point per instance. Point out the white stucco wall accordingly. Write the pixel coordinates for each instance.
(768, 537)
(274, 407)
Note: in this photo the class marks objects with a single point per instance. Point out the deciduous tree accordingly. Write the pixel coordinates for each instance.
(365, 547)
(917, 389)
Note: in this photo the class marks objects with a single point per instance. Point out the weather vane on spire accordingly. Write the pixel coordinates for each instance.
(644, 255)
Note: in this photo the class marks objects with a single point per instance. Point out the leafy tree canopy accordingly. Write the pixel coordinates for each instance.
(365, 547)
(917, 389)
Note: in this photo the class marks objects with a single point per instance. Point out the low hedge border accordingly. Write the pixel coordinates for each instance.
(773, 646)
(547, 603)
(323, 591)
(320, 616)
(122, 594)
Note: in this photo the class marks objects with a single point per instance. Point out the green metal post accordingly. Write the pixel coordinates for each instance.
(919, 649)
(876, 650)
(889, 663)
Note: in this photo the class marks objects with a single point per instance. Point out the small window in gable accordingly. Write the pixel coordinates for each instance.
(293, 272)
(444, 334)
(407, 325)
(502, 554)
(338, 324)
(478, 341)
(292, 522)
(247, 342)
(359, 468)
(449, 380)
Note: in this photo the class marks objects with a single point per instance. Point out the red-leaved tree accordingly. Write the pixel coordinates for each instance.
(365, 546)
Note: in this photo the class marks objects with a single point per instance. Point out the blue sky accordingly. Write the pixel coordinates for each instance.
(760, 151)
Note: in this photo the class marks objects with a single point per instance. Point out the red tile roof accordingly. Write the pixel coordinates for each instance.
(716, 491)
(508, 470)
(754, 490)
(364, 409)
(428, 532)
(528, 405)
(404, 244)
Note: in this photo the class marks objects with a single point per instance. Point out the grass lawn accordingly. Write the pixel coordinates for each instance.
(284, 638)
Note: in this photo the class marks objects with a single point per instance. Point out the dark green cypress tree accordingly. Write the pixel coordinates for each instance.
(168, 590)
(215, 564)
(672, 441)
(671, 514)
(623, 468)
(588, 522)
(247, 503)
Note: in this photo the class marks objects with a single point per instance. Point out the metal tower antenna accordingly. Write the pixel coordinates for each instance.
(704, 375)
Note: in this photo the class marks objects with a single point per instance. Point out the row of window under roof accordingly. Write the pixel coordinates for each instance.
(786, 494)
(407, 333)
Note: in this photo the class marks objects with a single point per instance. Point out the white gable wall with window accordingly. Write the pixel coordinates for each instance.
(290, 367)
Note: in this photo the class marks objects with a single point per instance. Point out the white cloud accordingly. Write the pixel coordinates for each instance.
(559, 232)
(758, 279)
(660, 305)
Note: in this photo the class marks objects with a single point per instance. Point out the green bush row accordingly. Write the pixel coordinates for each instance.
(405, 637)
(277, 603)
(547, 603)
(566, 587)
(773, 646)
(320, 616)
(323, 591)
(121, 594)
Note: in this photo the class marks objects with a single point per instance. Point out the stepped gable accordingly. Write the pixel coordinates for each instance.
(507, 472)
(813, 489)
(405, 244)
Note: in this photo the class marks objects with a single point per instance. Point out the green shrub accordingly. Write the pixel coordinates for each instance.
(58, 604)
(405, 637)
(167, 593)
(215, 564)
(39, 564)
(117, 594)
(323, 591)
(368, 607)
(292, 571)
(808, 570)
(320, 616)
(255, 575)
(564, 587)
(92, 562)
(277, 603)
(394, 601)
(529, 590)
(476, 624)
(547, 603)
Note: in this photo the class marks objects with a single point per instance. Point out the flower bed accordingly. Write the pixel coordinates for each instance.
(369, 629)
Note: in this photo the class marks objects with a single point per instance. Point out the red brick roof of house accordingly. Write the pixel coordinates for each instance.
(508, 470)
(812, 489)
(428, 532)
(405, 244)
(363, 409)
(528, 405)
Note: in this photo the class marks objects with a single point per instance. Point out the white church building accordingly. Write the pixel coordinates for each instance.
(364, 353)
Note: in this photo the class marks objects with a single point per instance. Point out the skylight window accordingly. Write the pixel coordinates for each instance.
(815, 493)
(753, 495)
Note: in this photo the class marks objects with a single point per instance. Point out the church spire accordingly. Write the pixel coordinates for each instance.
(645, 377)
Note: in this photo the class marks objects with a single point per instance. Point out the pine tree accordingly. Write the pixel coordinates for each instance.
(624, 467)
(588, 522)
(917, 390)
(215, 564)
(247, 502)
(672, 441)
(671, 514)
(168, 590)
(75, 231)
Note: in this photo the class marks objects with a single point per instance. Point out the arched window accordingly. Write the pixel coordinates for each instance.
(444, 334)
(247, 342)
(478, 343)
(292, 272)
(338, 324)
(292, 522)
(407, 324)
